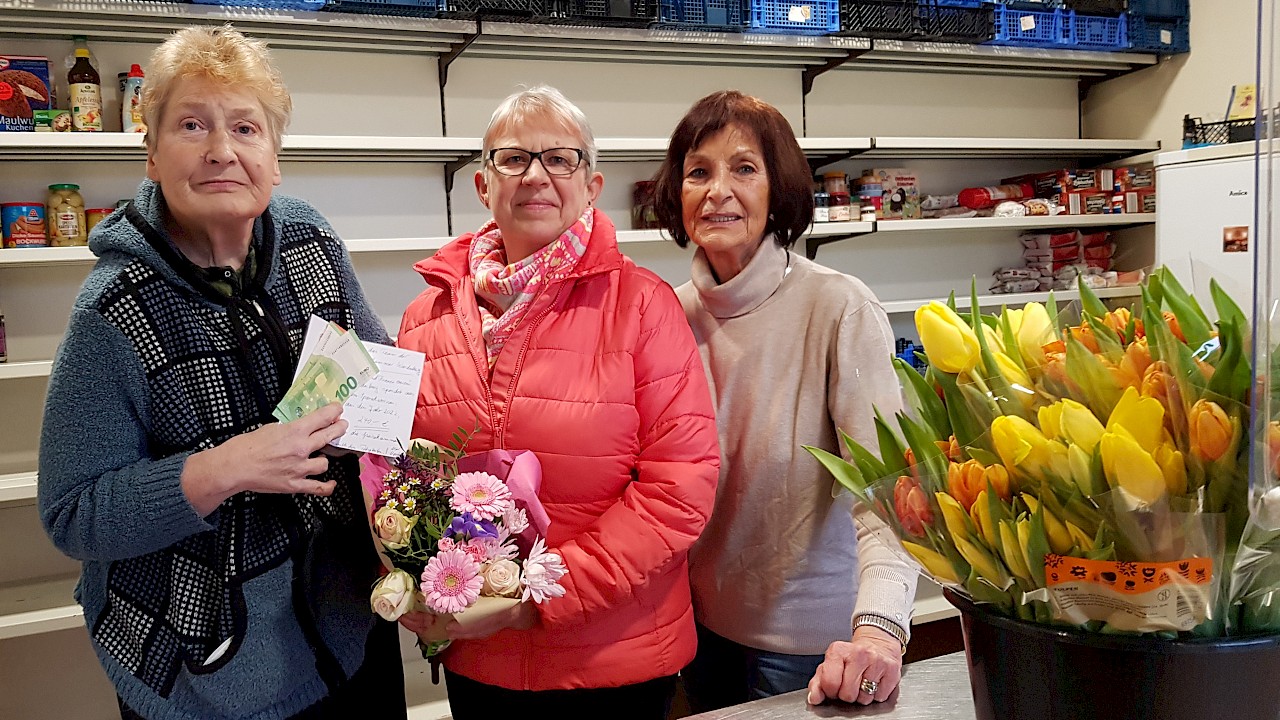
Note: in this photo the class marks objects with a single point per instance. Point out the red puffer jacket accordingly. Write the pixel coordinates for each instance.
(603, 381)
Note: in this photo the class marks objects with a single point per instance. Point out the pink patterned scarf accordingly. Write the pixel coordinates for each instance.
(514, 286)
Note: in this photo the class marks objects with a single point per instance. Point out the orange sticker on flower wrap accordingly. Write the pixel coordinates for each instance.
(1129, 596)
(1126, 577)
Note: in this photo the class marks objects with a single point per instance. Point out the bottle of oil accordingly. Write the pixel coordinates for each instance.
(85, 87)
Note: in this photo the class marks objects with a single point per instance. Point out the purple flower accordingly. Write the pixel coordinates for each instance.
(466, 526)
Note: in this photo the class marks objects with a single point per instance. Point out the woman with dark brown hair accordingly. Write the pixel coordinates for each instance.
(786, 591)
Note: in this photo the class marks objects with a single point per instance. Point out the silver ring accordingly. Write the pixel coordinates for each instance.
(869, 687)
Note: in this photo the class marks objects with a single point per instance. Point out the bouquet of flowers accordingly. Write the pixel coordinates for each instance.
(460, 535)
(1091, 473)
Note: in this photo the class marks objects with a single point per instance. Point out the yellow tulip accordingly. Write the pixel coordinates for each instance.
(1081, 464)
(1079, 538)
(1211, 430)
(953, 515)
(1130, 468)
(1011, 551)
(1024, 541)
(1016, 377)
(987, 566)
(995, 343)
(1024, 449)
(1174, 467)
(1033, 333)
(1050, 417)
(1079, 426)
(1141, 417)
(980, 513)
(934, 562)
(1056, 530)
(948, 341)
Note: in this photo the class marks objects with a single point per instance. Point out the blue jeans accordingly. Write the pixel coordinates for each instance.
(724, 673)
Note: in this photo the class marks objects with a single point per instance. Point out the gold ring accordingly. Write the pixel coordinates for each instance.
(870, 686)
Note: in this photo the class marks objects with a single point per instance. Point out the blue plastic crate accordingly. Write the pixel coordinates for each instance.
(267, 4)
(1031, 28)
(412, 8)
(1166, 37)
(1032, 4)
(796, 17)
(1161, 8)
(704, 14)
(960, 3)
(1098, 32)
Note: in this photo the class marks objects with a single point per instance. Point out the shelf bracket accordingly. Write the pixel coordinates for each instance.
(817, 162)
(811, 243)
(1085, 84)
(456, 50)
(811, 72)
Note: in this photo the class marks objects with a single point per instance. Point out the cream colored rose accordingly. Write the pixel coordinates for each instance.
(393, 527)
(393, 596)
(501, 579)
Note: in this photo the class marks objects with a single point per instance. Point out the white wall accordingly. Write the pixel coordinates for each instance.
(1150, 103)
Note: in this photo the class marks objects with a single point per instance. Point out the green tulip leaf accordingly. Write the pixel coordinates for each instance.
(892, 453)
(846, 473)
(867, 462)
(920, 395)
(1091, 306)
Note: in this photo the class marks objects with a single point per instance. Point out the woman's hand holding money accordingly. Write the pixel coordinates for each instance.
(275, 458)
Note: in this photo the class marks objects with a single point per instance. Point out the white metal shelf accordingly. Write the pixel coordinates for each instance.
(301, 148)
(17, 489)
(1013, 223)
(41, 606)
(25, 369)
(996, 147)
(894, 307)
(149, 21)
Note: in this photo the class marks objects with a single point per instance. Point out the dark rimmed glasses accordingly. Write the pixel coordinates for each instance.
(515, 162)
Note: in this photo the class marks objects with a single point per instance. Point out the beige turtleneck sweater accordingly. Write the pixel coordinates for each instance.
(793, 350)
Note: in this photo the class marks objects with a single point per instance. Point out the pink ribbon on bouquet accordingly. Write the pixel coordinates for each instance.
(522, 473)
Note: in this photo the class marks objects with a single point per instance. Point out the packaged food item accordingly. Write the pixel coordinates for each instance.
(1009, 208)
(821, 207)
(1134, 178)
(939, 202)
(980, 198)
(93, 216)
(1033, 241)
(24, 89)
(841, 207)
(834, 182)
(1040, 207)
(23, 224)
(64, 215)
(1090, 202)
(867, 212)
(1093, 239)
(53, 121)
(899, 193)
(85, 87)
(131, 101)
(1055, 182)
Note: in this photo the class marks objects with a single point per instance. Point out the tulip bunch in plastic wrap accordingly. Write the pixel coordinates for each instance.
(1087, 467)
(461, 535)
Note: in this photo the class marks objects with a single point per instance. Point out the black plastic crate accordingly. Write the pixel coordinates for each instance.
(925, 20)
(601, 13)
(515, 10)
(1196, 133)
(1097, 7)
(729, 15)
(1161, 8)
(412, 8)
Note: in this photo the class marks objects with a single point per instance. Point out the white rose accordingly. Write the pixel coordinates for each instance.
(501, 579)
(393, 527)
(393, 595)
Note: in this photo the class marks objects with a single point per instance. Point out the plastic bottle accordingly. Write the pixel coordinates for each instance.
(131, 102)
(980, 198)
(4, 353)
(85, 87)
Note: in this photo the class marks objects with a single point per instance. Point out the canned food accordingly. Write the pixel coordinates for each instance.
(93, 216)
(23, 224)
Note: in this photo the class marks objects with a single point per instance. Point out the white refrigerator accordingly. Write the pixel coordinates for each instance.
(1204, 219)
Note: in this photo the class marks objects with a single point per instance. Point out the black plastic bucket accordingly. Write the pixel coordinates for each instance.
(1024, 670)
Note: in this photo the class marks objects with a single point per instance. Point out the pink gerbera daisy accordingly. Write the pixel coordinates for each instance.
(481, 494)
(451, 582)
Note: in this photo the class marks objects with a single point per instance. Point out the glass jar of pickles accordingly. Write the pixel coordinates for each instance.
(64, 216)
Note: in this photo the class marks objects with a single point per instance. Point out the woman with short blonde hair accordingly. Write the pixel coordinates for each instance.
(226, 562)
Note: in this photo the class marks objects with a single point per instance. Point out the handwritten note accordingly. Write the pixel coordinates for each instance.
(380, 412)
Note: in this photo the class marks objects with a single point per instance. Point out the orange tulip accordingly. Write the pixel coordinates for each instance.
(911, 506)
(1084, 335)
(1174, 327)
(950, 448)
(1118, 320)
(965, 481)
(998, 476)
(1136, 360)
(1211, 430)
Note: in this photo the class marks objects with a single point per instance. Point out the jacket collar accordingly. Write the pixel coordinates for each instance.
(451, 262)
(747, 290)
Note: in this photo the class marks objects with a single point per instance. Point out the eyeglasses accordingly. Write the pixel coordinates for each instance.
(515, 162)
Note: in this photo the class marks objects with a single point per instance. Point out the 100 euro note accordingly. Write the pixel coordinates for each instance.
(338, 365)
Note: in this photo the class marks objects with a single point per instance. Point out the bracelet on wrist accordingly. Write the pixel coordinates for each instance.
(884, 624)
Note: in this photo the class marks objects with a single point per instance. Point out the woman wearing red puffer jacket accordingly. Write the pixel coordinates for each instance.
(537, 330)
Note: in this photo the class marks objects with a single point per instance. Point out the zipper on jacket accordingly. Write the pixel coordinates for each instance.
(500, 427)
